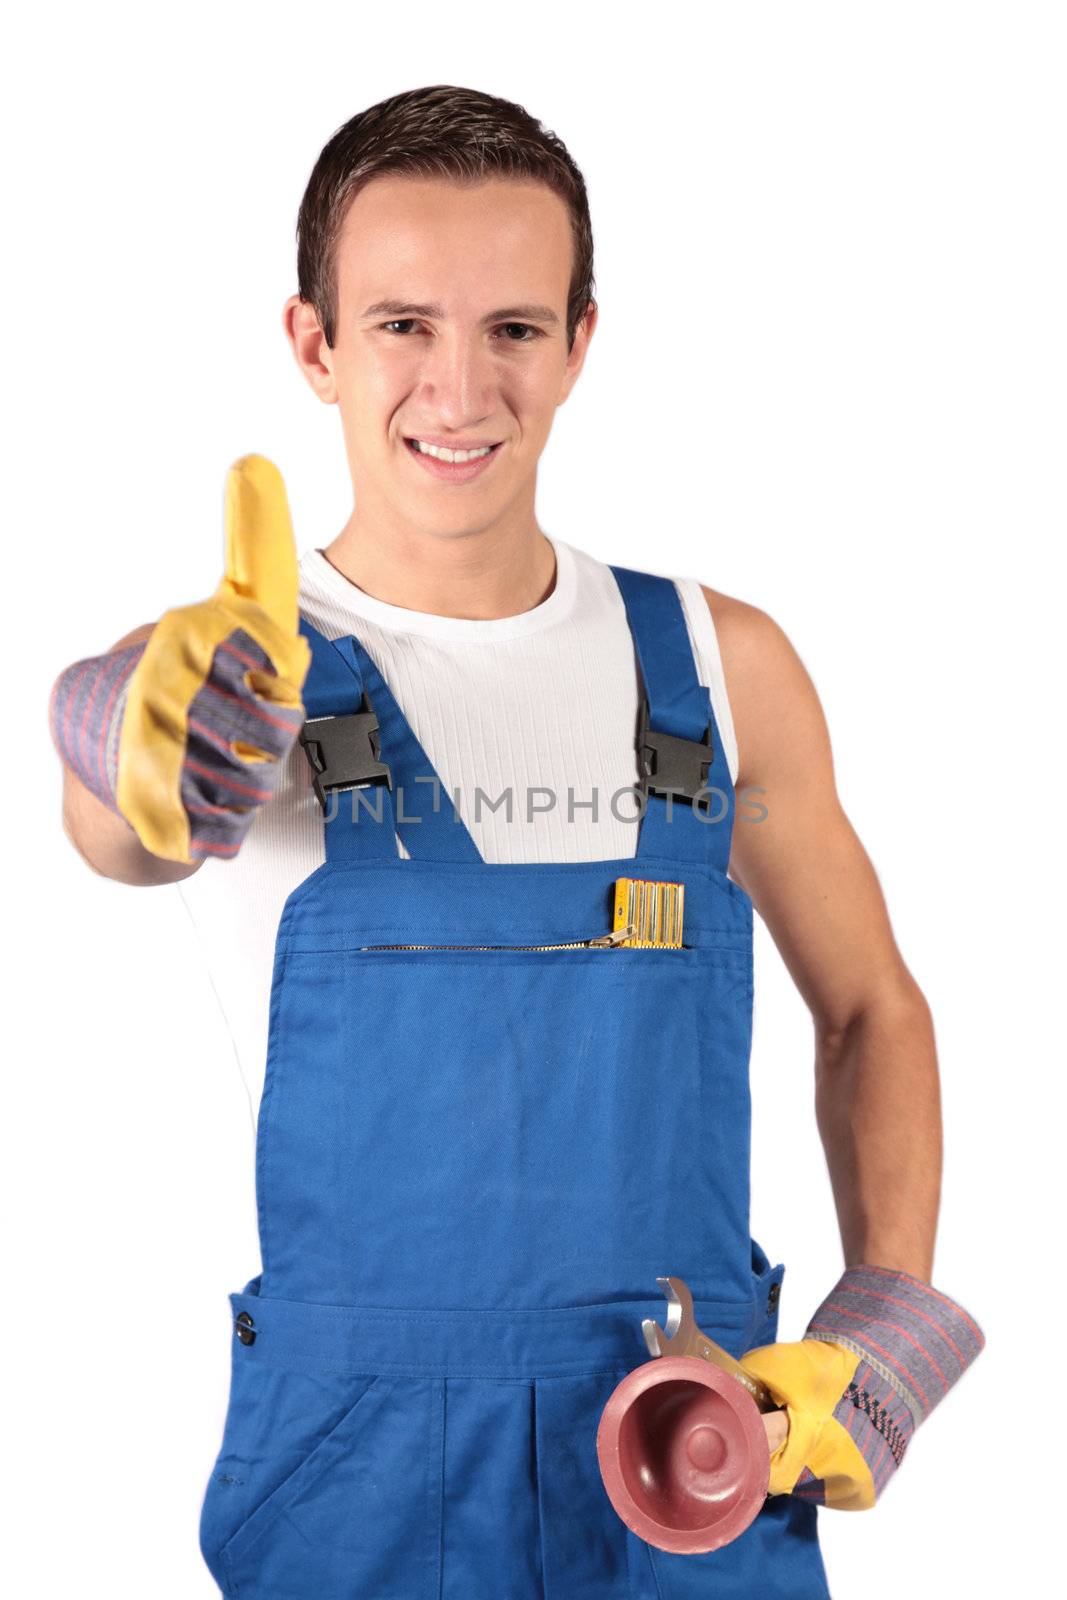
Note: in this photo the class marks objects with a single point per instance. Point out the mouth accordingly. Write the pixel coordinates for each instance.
(453, 471)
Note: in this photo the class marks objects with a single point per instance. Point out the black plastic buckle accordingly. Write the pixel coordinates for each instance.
(670, 765)
(343, 751)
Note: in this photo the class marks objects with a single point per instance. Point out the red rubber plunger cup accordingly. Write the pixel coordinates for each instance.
(681, 1443)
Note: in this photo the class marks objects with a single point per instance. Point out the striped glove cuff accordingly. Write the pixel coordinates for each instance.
(913, 1342)
(85, 715)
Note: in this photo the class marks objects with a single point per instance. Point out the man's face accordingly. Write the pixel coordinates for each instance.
(451, 329)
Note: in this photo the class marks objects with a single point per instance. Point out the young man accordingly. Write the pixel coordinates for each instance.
(465, 1124)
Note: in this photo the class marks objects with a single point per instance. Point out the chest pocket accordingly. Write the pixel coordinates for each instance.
(504, 1126)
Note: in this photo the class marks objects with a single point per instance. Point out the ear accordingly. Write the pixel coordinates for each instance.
(575, 360)
(308, 343)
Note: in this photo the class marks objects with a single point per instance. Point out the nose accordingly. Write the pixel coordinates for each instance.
(458, 378)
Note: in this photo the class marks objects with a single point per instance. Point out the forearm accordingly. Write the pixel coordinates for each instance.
(885, 1346)
(878, 1109)
(106, 842)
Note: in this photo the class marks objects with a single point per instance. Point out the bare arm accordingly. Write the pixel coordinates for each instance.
(877, 1090)
(104, 840)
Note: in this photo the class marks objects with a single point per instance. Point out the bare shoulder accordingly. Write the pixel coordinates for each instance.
(775, 708)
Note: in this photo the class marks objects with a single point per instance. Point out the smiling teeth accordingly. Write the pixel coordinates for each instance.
(451, 455)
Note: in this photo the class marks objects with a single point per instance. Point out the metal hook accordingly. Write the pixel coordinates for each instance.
(682, 1337)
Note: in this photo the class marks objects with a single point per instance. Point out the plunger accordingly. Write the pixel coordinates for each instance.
(682, 1448)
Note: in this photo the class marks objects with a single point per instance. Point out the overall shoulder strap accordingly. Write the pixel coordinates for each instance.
(684, 781)
(371, 776)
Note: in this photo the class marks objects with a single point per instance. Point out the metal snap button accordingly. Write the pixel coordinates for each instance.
(244, 1328)
(772, 1296)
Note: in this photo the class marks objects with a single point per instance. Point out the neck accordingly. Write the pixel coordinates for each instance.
(480, 576)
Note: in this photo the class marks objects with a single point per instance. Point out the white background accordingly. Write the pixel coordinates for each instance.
(830, 262)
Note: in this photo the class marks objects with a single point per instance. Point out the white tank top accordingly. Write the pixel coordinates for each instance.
(543, 704)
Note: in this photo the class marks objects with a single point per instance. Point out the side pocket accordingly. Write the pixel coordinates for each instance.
(357, 1513)
(275, 1421)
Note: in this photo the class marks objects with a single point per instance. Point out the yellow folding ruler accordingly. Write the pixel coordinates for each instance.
(654, 909)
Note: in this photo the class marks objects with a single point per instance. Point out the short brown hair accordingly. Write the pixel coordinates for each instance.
(441, 131)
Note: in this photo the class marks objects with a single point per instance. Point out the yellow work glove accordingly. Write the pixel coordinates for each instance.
(808, 1380)
(214, 701)
(880, 1353)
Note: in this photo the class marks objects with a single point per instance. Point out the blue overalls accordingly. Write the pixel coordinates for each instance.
(473, 1163)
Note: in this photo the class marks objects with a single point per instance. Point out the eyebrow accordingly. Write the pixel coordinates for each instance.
(404, 308)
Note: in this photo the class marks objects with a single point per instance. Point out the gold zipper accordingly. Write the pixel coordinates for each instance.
(603, 941)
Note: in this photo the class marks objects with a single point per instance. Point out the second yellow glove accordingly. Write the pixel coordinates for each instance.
(881, 1351)
(808, 1379)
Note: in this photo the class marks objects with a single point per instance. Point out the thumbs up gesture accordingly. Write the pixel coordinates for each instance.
(184, 735)
(214, 704)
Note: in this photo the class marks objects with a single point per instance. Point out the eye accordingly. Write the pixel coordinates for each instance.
(526, 327)
(523, 327)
